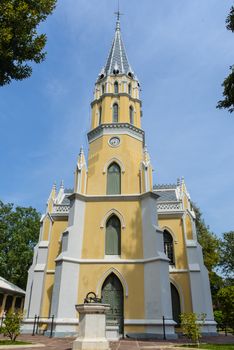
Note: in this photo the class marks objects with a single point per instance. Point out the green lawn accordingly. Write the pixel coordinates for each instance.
(212, 346)
(10, 342)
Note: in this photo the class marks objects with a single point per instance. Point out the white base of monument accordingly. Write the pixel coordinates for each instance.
(92, 327)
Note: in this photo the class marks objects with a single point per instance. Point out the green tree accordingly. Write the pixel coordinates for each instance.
(19, 41)
(228, 84)
(226, 305)
(19, 230)
(208, 241)
(227, 254)
(210, 248)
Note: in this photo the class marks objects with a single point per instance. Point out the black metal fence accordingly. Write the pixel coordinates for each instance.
(225, 328)
(41, 320)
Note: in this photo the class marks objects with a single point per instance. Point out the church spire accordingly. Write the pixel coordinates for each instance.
(117, 62)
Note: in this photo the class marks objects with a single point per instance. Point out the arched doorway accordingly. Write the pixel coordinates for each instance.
(112, 293)
(175, 301)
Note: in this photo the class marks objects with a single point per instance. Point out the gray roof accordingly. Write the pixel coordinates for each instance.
(166, 195)
(10, 287)
(117, 61)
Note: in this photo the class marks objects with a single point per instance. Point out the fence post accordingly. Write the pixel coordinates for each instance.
(52, 326)
(164, 330)
(38, 318)
(34, 324)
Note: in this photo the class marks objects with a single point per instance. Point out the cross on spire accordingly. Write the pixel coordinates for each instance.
(118, 14)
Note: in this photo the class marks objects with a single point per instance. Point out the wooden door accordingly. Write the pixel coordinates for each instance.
(112, 293)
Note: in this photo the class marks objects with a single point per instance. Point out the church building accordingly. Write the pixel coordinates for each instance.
(115, 233)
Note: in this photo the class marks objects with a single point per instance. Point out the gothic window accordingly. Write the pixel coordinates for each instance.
(100, 116)
(103, 88)
(130, 89)
(116, 87)
(131, 115)
(113, 179)
(113, 236)
(168, 246)
(115, 113)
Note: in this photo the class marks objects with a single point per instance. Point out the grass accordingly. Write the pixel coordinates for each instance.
(11, 342)
(211, 346)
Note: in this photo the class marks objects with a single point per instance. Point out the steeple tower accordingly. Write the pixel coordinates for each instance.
(116, 122)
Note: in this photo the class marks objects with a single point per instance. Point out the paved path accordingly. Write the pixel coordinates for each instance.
(124, 344)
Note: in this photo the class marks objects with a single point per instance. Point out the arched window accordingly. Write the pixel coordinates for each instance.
(113, 179)
(168, 246)
(130, 89)
(113, 236)
(100, 116)
(131, 115)
(116, 87)
(115, 113)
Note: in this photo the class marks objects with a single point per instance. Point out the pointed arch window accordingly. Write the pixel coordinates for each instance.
(130, 89)
(115, 117)
(168, 247)
(116, 87)
(113, 179)
(103, 88)
(113, 236)
(131, 115)
(100, 116)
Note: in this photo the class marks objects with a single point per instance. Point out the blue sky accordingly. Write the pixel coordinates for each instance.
(180, 51)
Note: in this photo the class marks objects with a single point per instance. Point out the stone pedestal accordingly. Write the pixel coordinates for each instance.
(92, 327)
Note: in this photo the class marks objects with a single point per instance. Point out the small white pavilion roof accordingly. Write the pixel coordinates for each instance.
(7, 286)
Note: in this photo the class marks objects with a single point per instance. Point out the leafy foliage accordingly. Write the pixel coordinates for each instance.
(226, 304)
(191, 324)
(11, 325)
(208, 241)
(228, 92)
(227, 254)
(230, 20)
(228, 84)
(218, 316)
(19, 40)
(19, 229)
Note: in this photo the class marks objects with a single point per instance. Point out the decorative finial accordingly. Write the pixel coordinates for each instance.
(62, 184)
(118, 14)
(81, 150)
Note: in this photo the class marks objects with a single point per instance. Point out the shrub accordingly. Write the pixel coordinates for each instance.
(191, 324)
(11, 325)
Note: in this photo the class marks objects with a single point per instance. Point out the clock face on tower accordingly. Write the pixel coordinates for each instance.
(114, 141)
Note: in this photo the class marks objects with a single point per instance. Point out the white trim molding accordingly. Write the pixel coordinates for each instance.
(171, 232)
(113, 212)
(116, 160)
(106, 274)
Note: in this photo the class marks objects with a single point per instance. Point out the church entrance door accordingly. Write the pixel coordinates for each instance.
(112, 293)
(175, 300)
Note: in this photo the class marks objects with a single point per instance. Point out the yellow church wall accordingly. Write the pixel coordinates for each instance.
(55, 243)
(189, 230)
(129, 153)
(175, 226)
(131, 235)
(91, 279)
(182, 283)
